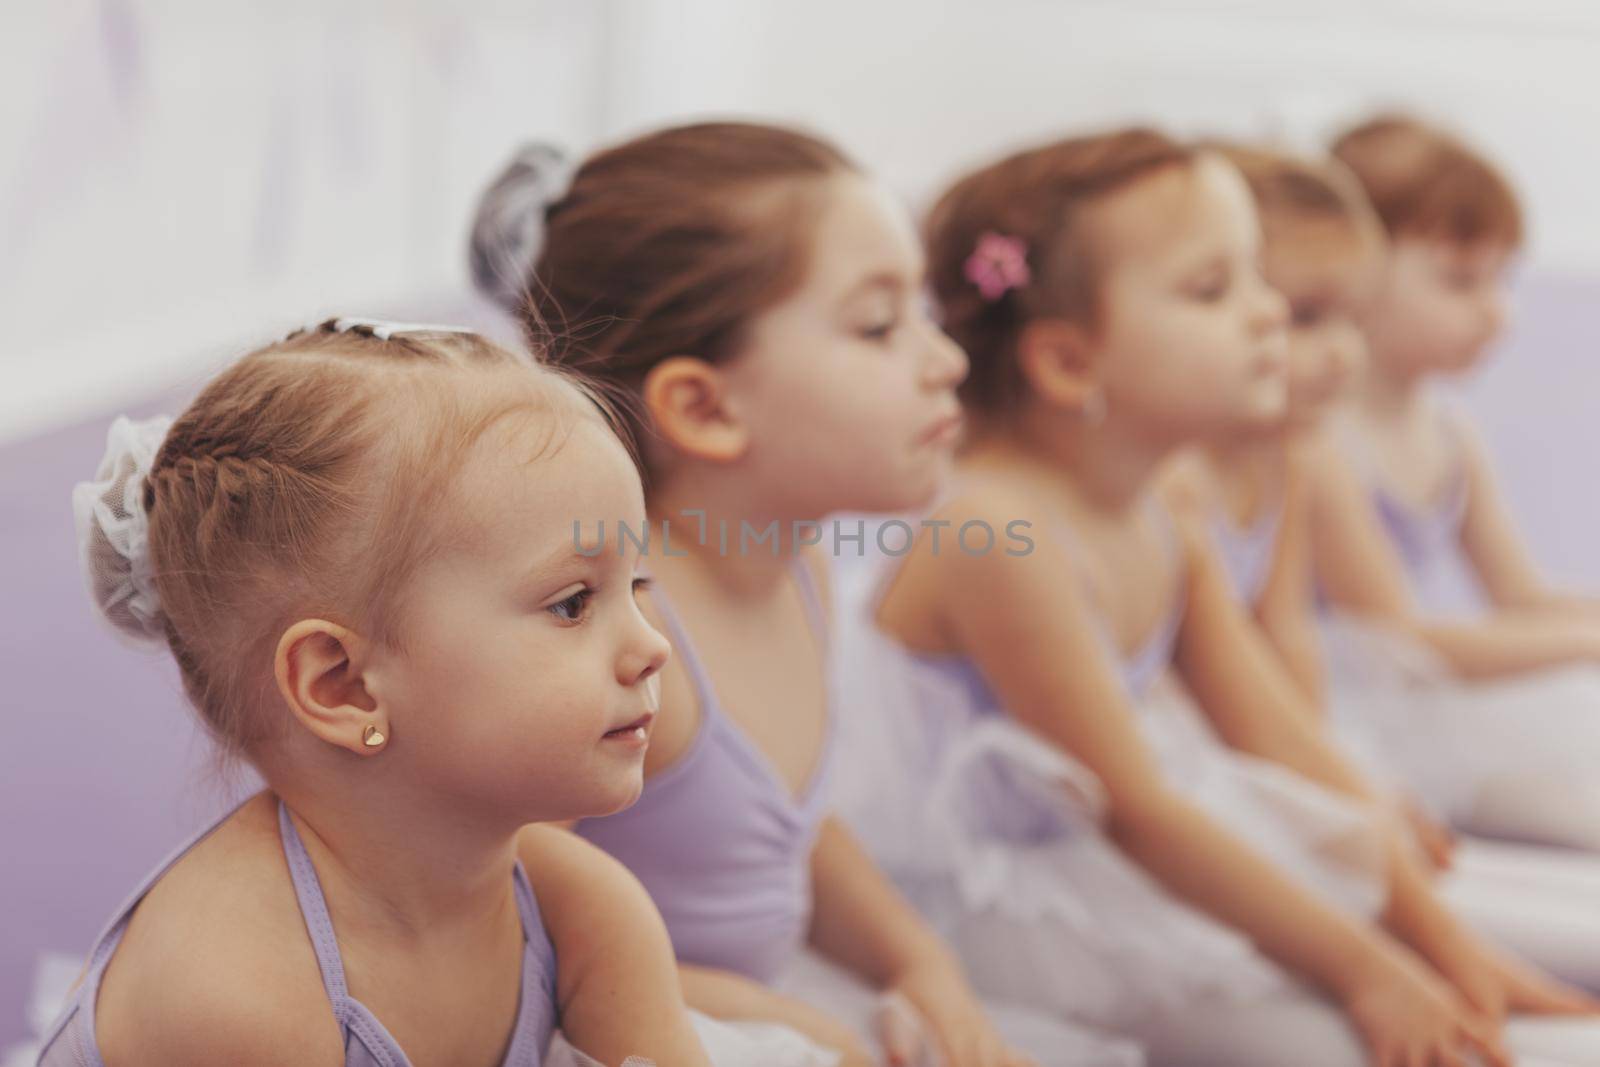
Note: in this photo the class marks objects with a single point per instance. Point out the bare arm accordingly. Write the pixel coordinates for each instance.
(1191, 487)
(1358, 570)
(860, 920)
(1025, 623)
(618, 985)
(1248, 697)
(1287, 608)
(1243, 685)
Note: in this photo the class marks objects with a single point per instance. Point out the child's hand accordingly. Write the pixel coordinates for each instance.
(852, 1053)
(935, 1000)
(1531, 991)
(1436, 841)
(1497, 985)
(1408, 1016)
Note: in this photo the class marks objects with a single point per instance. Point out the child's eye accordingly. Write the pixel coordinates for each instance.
(1210, 288)
(1305, 315)
(882, 331)
(642, 584)
(571, 609)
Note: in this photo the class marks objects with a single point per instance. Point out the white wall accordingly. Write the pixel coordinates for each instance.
(918, 90)
(179, 177)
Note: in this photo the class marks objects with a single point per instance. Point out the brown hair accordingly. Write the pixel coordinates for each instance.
(310, 478)
(1425, 183)
(1043, 197)
(1288, 189)
(669, 244)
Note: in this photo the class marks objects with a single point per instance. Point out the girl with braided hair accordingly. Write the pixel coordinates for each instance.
(399, 632)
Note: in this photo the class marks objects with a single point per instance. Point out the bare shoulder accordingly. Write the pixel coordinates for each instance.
(984, 519)
(985, 526)
(590, 904)
(216, 965)
(558, 863)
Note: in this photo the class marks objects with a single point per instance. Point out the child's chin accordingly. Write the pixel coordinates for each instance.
(627, 796)
(1462, 363)
(917, 490)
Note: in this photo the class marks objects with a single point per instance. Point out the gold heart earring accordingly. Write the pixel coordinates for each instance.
(372, 737)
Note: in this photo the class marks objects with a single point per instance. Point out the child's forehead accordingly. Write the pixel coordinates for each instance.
(1312, 242)
(530, 478)
(1177, 215)
(862, 233)
(1487, 254)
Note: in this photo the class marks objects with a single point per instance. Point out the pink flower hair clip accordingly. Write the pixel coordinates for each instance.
(998, 265)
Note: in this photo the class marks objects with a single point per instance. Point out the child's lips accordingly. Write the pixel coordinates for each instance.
(942, 430)
(636, 730)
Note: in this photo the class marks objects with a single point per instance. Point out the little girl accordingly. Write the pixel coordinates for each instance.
(1089, 819)
(756, 299)
(1408, 516)
(1454, 224)
(397, 631)
(1249, 485)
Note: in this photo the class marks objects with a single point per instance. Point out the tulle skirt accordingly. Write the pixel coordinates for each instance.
(727, 1044)
(1050, 1042)
(1511, 758)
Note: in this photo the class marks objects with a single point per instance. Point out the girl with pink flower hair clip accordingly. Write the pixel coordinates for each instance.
(998, 264)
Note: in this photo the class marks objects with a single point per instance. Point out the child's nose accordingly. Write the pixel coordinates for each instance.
(1272, 310)
(947, 361)
(646, 654)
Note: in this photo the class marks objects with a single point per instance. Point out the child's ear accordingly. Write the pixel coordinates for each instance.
(690, 409)
(319, 677)
(1057, 362)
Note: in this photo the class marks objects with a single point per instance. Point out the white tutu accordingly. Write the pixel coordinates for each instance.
(1333, 844)
(1050, 1042)
(1512, 757)
(727, 1044)
(996, 835)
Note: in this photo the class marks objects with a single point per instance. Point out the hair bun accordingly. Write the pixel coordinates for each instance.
(114, 529)
(508, 230)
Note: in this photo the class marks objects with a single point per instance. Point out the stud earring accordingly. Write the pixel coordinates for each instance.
(1094, 408)
(372, 737)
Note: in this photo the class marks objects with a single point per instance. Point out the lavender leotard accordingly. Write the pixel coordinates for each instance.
(1247, 552)
(1008, 810)
(717, 839)
(1423, 535)
(1427, 537)
(71, 1042)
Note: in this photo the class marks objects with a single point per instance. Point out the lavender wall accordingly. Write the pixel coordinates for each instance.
(101, 769)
